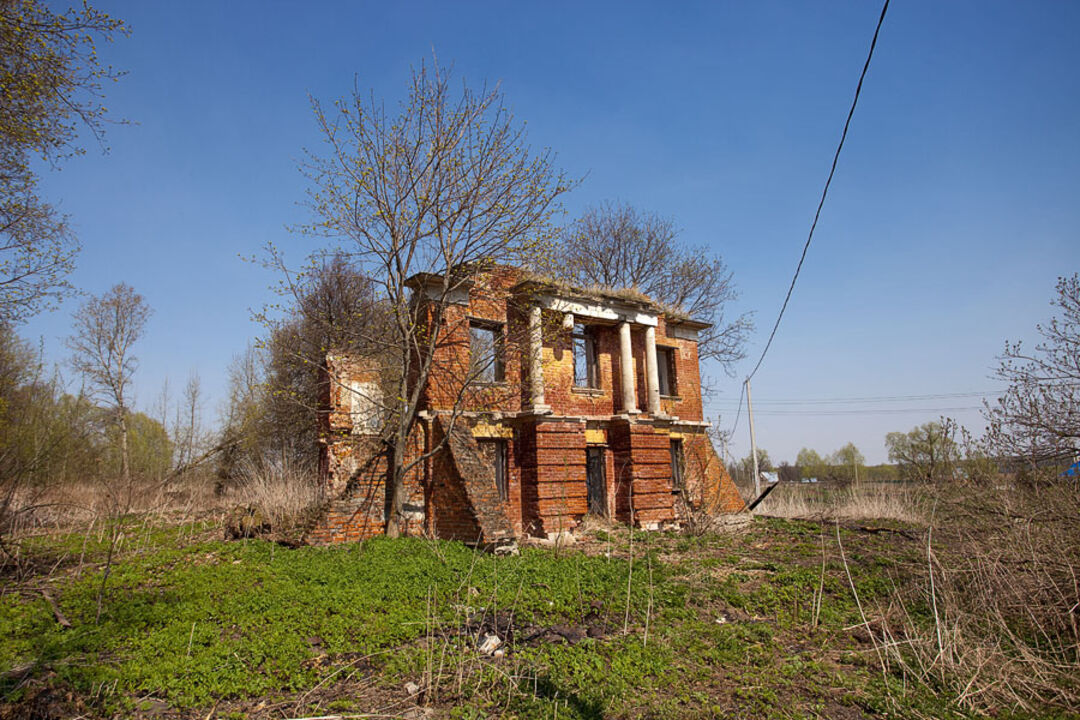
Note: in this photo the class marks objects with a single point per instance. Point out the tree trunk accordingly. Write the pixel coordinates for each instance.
(125, 461)
(395, 518)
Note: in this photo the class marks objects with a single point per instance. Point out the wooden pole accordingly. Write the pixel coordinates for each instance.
(753, 441)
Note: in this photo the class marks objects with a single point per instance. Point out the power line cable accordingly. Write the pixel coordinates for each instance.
(870, 411)
(742, 392)
(825, 191)
(875, 399)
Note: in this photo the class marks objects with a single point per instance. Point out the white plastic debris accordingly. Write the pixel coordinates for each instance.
(489, 643)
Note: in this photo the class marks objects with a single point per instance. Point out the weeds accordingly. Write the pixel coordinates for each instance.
(1001, 590)
(875, 501)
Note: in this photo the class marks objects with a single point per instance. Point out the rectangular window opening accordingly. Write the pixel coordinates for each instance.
(493, 452)
(485, 352)
(665, 362)
(365, 406)
(676, 465)
(586, 372)
(596, 481)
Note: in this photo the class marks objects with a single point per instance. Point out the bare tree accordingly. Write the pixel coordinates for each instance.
(106, 330)
(187, 434)
(242, 413)
(1037, 419)
(614, 246)
(435, 192)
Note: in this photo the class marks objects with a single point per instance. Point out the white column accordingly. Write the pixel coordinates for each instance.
(626, 369)
(536, 361)
(652, 377)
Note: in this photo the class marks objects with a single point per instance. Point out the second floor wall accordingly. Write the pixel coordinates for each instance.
(484, 357)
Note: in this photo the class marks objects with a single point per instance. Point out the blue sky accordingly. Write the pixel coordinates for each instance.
(953, 210)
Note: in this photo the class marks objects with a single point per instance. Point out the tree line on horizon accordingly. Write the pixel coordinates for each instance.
(929, 452)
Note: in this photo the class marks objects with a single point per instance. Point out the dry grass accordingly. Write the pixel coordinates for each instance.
(281, 490)
(601, 292)
(284, 491)
(1002, 583)
(878, 501)
(992, 615)
(65, 506)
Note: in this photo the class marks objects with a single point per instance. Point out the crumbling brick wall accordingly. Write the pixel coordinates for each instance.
(490, 300)
(360, 509)
(709, 487)
(686, 403)
(355, 460)
(466, 502)
(453, 494)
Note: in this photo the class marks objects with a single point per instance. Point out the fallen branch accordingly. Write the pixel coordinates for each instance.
(63, 621)
(878, 530)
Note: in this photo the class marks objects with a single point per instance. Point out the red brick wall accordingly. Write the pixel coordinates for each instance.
(559, 391)
(524, 463)
(342, 370)
(359, 464)
(554, 496)
(359, 513)
(547, 460)
(643, 472)
(489, 300)
(451, 517)
(463, 492)
(565, 399)
(687, 376)
(708, 485)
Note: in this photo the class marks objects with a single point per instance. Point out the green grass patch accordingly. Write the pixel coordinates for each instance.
(707, 626)
(218, 620)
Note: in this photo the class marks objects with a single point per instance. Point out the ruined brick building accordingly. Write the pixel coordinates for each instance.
(589, 402)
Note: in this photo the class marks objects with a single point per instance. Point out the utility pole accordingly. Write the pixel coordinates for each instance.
(724, 439)
(753, 441)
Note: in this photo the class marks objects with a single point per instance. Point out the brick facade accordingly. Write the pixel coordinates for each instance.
(547, 445)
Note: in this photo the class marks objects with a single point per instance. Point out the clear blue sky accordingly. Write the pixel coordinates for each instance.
(953, 210)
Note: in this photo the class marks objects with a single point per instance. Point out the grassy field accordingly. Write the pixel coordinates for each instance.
(781, 619)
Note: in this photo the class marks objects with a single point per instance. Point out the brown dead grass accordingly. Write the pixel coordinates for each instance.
(285, 492)
(998, 579)
(61, 507)
(1001, 569)
(866, 501)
